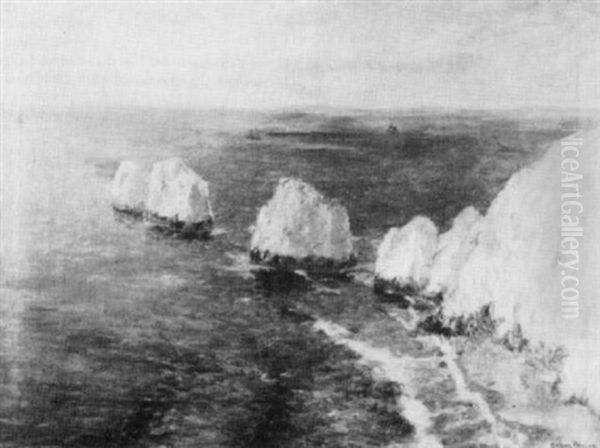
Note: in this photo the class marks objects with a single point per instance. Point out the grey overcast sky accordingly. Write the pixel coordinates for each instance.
(359, 54)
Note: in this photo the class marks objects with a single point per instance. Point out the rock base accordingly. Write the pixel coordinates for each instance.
(392, 288)
(405, 296)
(128, 214)
(479, 324)
(315, 266)
(180, 229)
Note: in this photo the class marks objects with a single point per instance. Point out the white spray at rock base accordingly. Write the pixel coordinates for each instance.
(393, 368)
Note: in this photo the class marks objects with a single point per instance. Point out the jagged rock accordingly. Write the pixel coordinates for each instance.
(178, 198)
(129, 188)
(405, 256)
(299, 228)
(454, 246)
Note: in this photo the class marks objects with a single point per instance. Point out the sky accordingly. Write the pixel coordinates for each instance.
(273, 54)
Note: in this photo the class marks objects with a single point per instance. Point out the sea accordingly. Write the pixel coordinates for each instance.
(113, 335)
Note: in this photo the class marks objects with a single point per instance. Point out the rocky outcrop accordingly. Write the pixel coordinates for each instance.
(535, 263)
(299, 228)
(454, 246)
(405, 257)
(178, 199)
(129, 188)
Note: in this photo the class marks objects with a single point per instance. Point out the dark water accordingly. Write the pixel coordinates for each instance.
(114, 336)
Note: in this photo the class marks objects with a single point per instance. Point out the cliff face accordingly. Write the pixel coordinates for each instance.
(534, 257)
(535, 267)
(300, 224)
(454, 246)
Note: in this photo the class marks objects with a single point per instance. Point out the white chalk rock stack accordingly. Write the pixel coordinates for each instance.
(405, 256)
(300, 227)
(537, 259)
(454, 246)
(129, 188)
(178, 197)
